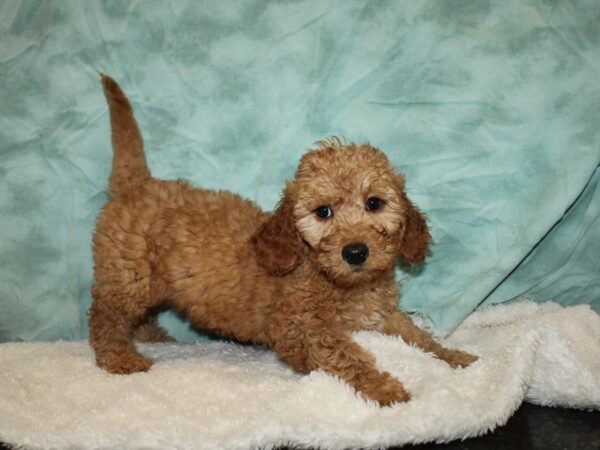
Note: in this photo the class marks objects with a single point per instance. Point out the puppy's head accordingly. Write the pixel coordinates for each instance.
(346, 211)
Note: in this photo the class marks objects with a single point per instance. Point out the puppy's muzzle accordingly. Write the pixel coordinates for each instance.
(355, 254)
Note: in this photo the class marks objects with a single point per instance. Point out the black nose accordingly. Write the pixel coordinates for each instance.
(355, 253)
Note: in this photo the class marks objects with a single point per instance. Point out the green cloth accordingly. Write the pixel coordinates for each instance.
(491, 109)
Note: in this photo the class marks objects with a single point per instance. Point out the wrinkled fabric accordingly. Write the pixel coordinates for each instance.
(490, 109)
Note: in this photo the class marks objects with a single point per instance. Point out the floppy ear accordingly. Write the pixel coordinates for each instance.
(277, 242)
(416, 238)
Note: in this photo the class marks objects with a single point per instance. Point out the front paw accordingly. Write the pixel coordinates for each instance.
(457, 358)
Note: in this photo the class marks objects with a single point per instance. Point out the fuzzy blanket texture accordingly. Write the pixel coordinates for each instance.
(222, 395)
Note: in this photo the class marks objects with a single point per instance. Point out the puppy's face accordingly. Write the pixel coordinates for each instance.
(346, 211)
(351, 210)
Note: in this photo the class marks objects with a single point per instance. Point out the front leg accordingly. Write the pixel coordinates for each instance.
(336, 353)
(399, 324)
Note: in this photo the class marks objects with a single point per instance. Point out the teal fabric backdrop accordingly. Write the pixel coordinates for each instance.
(491, 109)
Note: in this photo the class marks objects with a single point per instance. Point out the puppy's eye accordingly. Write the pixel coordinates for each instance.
(373, 204)
(324, 212)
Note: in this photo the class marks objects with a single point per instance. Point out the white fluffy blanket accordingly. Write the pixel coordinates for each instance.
(215, 395)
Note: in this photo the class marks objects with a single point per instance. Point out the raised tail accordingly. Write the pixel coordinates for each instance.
(129, 167)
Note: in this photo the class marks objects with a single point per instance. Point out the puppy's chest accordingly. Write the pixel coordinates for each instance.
(357, 312)
(363, 316)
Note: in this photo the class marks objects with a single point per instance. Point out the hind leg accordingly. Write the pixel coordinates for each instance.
(114, 316)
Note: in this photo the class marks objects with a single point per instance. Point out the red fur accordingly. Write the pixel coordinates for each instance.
(278, 280)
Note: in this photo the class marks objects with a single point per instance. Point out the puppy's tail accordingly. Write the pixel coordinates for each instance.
(129, 167)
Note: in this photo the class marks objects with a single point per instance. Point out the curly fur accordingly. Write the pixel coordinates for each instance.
(275, 279)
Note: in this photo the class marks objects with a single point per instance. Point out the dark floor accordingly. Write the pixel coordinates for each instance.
(535, 428)
(531, 428)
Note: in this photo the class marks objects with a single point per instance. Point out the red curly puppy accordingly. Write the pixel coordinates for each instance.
(298, 280)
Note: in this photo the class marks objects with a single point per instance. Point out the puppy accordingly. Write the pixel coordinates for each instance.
(299, 280)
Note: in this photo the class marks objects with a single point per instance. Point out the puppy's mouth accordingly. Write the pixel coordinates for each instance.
(357, 275)
(348, 274)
